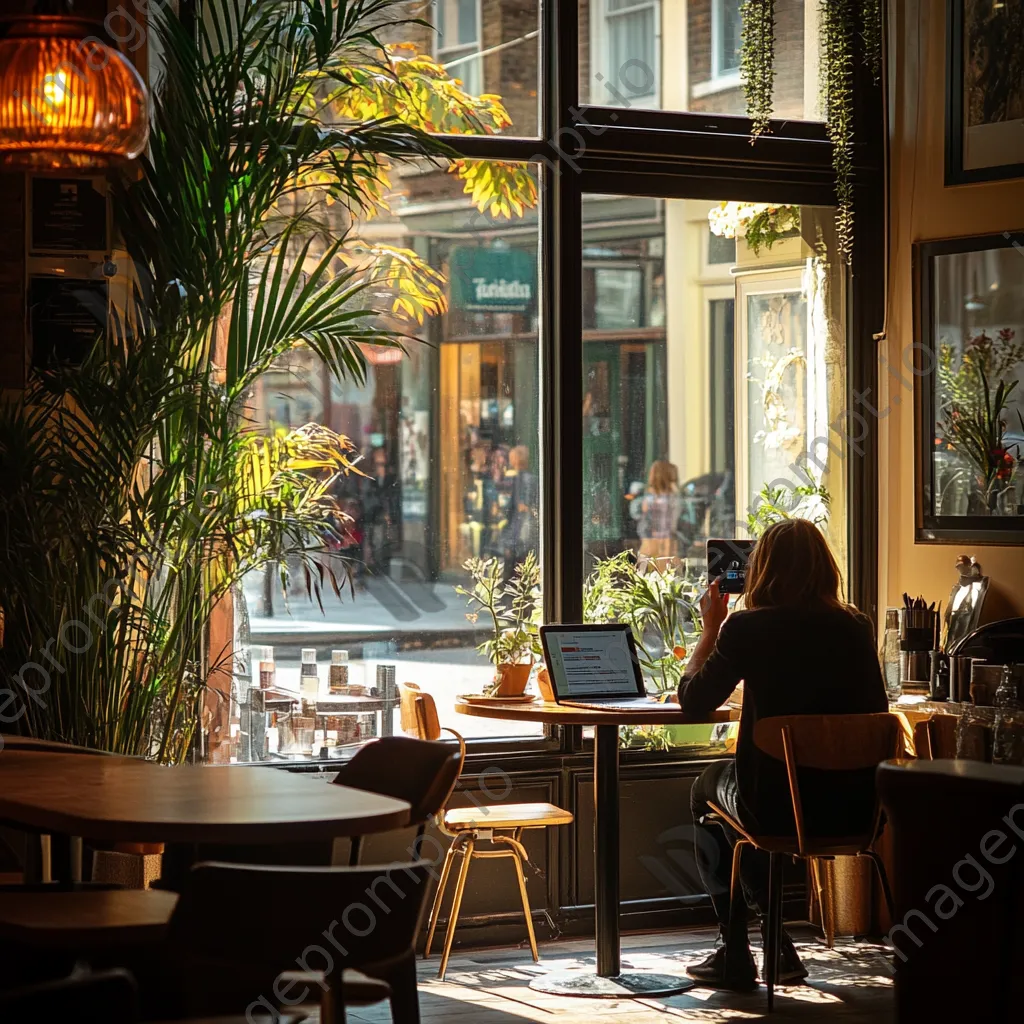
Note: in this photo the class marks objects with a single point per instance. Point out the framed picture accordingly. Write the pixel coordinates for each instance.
(984, 90)
(969, 391)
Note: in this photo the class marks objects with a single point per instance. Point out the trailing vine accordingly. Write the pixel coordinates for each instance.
(837, 19)
(757, 61)
(871, 30)
(846, 26)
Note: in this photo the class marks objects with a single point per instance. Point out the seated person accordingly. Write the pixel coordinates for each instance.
(799, 650)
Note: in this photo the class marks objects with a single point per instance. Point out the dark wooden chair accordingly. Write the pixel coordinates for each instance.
(335, 921)
(109, 997)
(418, 771)
(839, 743)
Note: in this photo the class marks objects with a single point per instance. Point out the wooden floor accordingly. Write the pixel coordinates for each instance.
(851, 984)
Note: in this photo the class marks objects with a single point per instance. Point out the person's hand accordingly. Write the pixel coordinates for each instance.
(714, 607)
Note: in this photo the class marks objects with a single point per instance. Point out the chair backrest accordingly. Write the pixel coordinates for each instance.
(839, 743)
(275, 919)
(935, 737)
(418, 712)
(421, 772)
(832, 742)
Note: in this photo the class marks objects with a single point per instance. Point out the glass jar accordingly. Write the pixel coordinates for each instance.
(974, 733)
(890, 655)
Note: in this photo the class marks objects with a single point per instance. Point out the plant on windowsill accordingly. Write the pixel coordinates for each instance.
(774, 504)
(660, 607)
(760, 225)
(846, 28)
(513, 609)
(134, 488)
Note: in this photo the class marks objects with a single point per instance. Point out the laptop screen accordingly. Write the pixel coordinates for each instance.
(592, 661)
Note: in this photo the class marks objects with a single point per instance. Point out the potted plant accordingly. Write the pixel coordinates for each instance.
(512, 608)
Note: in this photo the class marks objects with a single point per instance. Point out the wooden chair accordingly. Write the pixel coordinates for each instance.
(420, 772)
(935, 737)
(500, 825)
(337, 921)
(829, 743)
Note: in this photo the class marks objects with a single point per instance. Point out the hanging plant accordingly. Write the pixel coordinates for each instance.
(846, 26)
(757, 61)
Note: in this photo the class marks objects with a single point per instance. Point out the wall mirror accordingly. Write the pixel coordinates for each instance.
(969, 362)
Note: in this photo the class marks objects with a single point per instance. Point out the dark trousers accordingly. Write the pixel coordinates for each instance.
(714, 848)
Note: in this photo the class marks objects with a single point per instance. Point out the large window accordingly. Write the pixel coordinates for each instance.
(615, 333)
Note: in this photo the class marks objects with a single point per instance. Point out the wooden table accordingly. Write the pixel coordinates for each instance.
(116, 799)
(609, 981)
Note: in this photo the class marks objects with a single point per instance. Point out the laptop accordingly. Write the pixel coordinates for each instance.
(595, 666)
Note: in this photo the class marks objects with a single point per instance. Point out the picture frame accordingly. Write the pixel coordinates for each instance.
(984, 103)
(959, 494)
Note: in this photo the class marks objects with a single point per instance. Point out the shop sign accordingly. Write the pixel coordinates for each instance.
(497, 280)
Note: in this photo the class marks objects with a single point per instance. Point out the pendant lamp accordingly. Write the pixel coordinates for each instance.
(69, 101)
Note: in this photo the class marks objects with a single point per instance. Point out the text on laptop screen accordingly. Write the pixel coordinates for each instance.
(591, 663)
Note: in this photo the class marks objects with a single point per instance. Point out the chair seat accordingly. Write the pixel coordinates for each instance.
(62, 920)
(505, 816)
(358, 989)
(816, 846)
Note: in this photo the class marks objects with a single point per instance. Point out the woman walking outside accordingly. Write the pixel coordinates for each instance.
(657, 513)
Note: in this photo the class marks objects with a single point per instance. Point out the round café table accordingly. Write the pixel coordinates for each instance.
(119, 799)
(609, 981)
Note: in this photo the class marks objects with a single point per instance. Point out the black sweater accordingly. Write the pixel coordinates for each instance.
(793, 661)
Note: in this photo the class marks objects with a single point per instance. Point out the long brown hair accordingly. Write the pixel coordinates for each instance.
(662, 477)
(792, 565)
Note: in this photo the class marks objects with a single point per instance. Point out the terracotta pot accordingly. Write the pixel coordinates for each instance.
(512, 680)
(544, 687)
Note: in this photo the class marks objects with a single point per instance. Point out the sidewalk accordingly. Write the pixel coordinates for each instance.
(380, 610)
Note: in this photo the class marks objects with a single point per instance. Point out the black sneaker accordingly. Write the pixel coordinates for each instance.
(739, 974)
(791, 968)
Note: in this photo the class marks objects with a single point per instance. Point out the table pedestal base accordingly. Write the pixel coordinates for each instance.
(628, 985)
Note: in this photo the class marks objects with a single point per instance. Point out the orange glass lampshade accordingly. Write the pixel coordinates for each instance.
(68, 101)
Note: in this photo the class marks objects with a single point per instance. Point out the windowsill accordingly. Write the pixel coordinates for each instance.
(720, 83)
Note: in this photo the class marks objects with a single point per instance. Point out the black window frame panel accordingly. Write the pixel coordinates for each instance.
(673, 155)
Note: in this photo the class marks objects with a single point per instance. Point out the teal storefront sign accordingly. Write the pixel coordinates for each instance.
(495, 280)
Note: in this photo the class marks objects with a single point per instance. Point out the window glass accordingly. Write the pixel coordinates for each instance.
(708, 405)
(463, 66)
(685, 55)
(448, 442)
(726, 36)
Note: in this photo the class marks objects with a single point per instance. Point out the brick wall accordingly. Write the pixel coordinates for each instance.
(789, 61)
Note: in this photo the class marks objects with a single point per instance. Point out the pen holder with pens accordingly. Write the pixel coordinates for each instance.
(917, 639)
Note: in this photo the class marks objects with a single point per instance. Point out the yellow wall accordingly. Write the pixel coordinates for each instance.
(922, 209)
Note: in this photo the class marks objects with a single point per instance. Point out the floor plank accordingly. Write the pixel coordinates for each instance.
(851, 984)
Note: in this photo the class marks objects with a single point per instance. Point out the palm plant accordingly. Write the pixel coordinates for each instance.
(134, 490)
